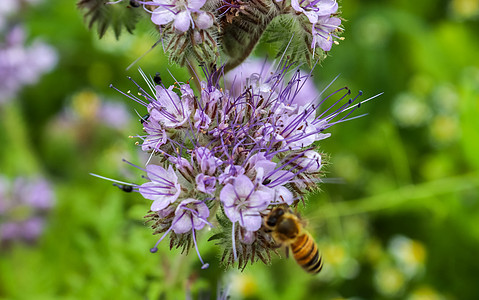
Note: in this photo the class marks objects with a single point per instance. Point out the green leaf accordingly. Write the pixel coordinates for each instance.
(116, 16)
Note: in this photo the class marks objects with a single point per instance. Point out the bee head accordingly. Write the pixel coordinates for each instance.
(274, 216)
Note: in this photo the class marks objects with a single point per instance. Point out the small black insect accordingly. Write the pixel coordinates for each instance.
(266, 181)
(144, 118)
(157, 78)
(134, 3)
(124, 187)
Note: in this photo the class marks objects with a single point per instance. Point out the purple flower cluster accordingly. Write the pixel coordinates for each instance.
(20, 64)
(23, 205)
(321, 14)
(233, 156)
(11, 8)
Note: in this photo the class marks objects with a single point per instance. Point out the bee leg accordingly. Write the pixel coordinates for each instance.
(286, 250)
(276, 246)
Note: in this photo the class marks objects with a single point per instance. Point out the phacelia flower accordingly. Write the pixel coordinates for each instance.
(163, 188)
(258, 150)
(243, 203)
(315, 9)
(170, 110)
(24, 203)
(324, 32)
(20, 64)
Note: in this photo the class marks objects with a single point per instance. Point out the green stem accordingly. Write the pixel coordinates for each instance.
(17, 149)
(401, 196)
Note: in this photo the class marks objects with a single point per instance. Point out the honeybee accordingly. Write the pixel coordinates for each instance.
(286, 228)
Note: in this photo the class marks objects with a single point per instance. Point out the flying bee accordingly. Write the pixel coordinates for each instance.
(286, 228)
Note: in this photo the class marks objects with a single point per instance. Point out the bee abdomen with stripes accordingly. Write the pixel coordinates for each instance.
(306, 253)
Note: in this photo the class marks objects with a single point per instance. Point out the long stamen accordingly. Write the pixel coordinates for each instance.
(204, 266)
(155, 248)
(113, 180)
(233, 240)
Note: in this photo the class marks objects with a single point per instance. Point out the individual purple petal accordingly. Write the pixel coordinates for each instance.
(204, 20)
(243, 186)
(283, 195)
(196, 4)
(182, 21)
(227, 195)
(162, 16)
(250, 221)
(326, 7)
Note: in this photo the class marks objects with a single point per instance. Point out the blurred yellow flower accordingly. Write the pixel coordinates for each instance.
(444, 128)
(425, 293)
(244, 285)
(465, 8)
(86, 104)
(410, 255)
(389, 281)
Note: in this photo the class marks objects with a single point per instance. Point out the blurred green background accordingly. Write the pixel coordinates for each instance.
(403, 225)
